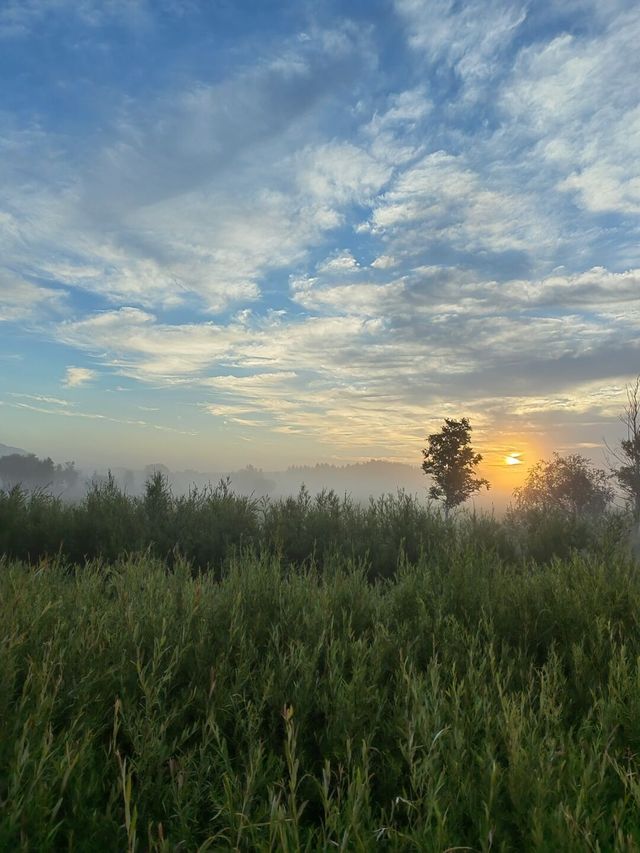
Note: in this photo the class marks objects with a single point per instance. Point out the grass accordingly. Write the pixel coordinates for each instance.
(467, 702)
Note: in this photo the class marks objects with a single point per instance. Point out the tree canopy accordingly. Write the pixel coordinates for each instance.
(450, 460)
(567, 484)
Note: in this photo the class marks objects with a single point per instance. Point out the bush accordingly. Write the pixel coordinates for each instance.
(208, 526)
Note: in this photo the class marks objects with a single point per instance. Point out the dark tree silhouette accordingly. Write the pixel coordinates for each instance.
(451, 461)
(33, 473)
(567, 484)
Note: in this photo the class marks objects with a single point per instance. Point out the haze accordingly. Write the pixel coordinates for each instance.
(289, 233)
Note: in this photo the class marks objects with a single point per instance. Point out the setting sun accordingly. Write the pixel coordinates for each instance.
(513, 459)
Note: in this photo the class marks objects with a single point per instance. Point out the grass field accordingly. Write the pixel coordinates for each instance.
(467, 702)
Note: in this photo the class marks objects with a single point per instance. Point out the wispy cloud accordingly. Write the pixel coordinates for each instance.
(42, 398)
(21, 300)
(97, 416)
(468, 38)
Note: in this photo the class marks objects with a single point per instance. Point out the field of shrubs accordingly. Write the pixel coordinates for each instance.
(207, 526)
(215, 673)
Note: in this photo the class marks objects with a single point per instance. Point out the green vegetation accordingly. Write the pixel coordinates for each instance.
(208, 526)
(474, 698)
(212, 672)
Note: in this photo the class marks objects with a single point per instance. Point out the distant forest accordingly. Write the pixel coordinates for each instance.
(360, 480)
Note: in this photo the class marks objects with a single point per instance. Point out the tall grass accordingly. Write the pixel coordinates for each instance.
(467, 702)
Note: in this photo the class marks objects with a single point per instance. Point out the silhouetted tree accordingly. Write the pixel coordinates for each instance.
(569, 484)
(451, 461)
(628, 456)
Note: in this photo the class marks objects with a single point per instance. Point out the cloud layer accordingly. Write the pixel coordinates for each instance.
(341, 230)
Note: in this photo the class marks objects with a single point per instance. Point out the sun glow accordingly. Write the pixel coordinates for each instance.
(513, 459)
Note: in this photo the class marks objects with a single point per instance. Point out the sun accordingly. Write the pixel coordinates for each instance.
(513, 459)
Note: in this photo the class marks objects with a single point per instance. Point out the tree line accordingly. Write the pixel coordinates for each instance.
(34, 473)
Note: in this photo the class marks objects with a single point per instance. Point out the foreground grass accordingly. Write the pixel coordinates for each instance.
(463, 704)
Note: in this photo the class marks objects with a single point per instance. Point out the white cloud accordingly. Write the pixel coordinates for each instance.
(404, 110)
(340, 262)
(468, 37)
(363, 300)
(392, 355)
(575, 100)
(384, 262)
(135, 344)
(196, 195)
(75, 377)
(395, 134)
(338, 173)
(442, 198)
(20, 300)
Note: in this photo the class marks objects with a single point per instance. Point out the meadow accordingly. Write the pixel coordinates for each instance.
(216, 673)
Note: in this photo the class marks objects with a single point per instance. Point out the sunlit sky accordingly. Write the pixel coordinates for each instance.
(289, 232)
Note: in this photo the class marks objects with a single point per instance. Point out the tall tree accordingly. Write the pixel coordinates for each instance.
(628, 456)
(569, 484)
(451, 462)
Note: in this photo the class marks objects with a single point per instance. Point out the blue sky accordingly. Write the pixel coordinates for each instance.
(289, 232)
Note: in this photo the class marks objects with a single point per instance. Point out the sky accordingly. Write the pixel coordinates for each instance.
(293, 232)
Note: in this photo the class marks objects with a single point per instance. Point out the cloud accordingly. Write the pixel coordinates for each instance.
(395, 134)
(340, 262)
(392, 356)
(384, 262)
(41, 398)
(441, 198)
(21, 300)
(133, 343)
(466, 37)
(96, 416)
(75, 377)
(340, 173)
(373, 244)
(404, 110)
(574, 100)
(197, 193)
